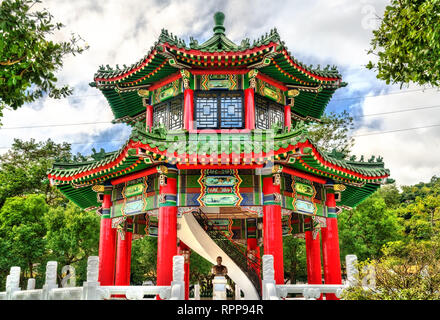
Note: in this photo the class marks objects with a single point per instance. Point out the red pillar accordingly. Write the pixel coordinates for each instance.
(123, 259)
(252, 244)
(185, 251)
(249, 108)
(330, 246)
(287, 117)
(313, 257)
(149, 118)
(167, 238)
(272, 231)
(107, 244)
(188, 109)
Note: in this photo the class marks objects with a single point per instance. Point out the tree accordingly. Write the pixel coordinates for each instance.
(407, 43)
(23, 169)
(365, 230)
(333, 132)
(28, 58)
(72, 236)
(294, 258)
(144, 260)
(405, 272)
(22, 234)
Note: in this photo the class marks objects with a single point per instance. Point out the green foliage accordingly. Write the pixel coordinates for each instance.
(23, 169)
(333, 132)
(405, 272)
(29, 58)
(364, 230)
(294, 258)
(22, 232)
(72, 236)
(407, 43)
(144, 260)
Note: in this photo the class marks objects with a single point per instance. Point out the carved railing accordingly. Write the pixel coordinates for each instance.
(249, 266)
(273, 291)
(91, 289)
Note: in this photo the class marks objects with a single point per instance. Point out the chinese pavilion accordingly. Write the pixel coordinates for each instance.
(219, 161)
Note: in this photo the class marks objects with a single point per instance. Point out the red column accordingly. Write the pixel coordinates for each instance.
(272, 231)
(185, 251)
(149, 118)
(252, 244)
(249, 108)
(313, 256)
(123, 259)
(167, 238)
(107, 244)
(188, 109)
(330, 247)
(287, 117)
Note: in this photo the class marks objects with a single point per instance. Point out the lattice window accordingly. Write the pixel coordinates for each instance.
(216, 110)
(206, 110)
(170, 113)
(231, 110)
(267, 113)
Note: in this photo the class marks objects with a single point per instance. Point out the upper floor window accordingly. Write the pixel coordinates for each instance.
(170, 113)
(219, 109)
(267, 113)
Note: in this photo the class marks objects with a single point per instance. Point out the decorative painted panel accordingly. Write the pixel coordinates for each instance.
(135, 197)
(219, 188)
(269, 91)
(219, 81)
(167, 91)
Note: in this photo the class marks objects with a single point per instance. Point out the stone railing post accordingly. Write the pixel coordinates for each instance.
(30, 284)
(197, 291)
(237, 292)
(12, 282)
(178, 283)
(268, 282)
(91, 287)
(51, 279)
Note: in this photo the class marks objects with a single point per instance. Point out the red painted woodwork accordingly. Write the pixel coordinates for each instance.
(252, 244)
(215, 166)
(165, 81)
(107, 246)
(271, 81)
(330, 249)
(249, 108)
(133, 176)
(167, 237)
(301, 174)
(149, 118)
(220, 54)
(123, 260)
(221, 71)
(313, 258)
(287, 117)
(272, 231)
(188, 109)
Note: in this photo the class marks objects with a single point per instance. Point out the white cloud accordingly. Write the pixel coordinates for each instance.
(316, 32)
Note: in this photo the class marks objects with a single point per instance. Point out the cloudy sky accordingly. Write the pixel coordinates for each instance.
(315, 31)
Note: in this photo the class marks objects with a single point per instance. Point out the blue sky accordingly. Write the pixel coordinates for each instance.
(336, 32)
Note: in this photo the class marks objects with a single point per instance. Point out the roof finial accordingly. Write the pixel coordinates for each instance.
(219, 19)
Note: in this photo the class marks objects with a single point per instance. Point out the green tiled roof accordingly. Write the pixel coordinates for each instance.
(169, 54)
